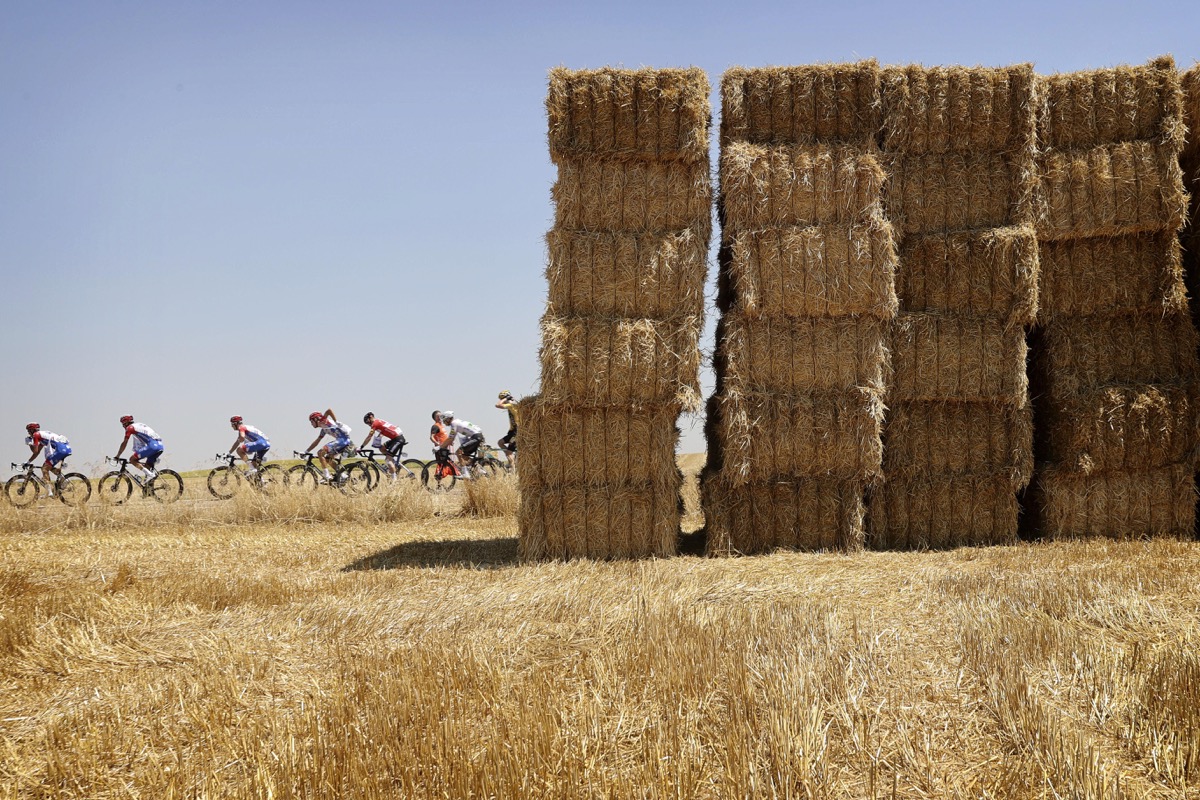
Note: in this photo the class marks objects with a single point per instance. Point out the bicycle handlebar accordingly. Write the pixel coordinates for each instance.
(26, 465)
(116, 459)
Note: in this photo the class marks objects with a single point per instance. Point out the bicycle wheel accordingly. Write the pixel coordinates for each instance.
(411, 469)
(223, 482)
(373, 472)
(166, 486)
(304, 476)
(22, 490)
(74, 489)
(354, 479)
(115, 488)
(438, 478)
(272, 479)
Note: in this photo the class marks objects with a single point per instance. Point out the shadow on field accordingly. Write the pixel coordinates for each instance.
(476, 553)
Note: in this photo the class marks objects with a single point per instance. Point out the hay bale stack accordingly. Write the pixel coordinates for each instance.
(1114, 363)
(620, 337)
(960, 147)
(1189, 162)
(806, 290)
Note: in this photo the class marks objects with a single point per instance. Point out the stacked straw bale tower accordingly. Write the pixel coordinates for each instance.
(627, 260)
(1189, 161)
(1115, 364)
(806, 293)
(960, 148)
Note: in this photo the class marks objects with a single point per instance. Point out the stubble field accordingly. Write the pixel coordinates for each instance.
(320, 647)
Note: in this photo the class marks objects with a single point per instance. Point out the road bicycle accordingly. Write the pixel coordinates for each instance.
(351, 479)
(376, 466)
(24, 488)
(441, 474)
(226, 480)
(116, 487)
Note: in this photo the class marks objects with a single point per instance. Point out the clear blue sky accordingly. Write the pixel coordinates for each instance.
(267, 208)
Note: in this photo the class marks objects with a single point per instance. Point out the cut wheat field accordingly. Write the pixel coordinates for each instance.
(397, 647)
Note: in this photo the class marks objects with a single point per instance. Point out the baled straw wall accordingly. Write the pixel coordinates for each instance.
(806, 290)
(620, 338)
(960, 147)
(1115, 359)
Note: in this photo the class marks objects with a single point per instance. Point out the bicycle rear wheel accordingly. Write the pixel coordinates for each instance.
(223, 482)
(411, 469)
(166, 486)
(115, 488)
(438, 478)
(74, 489)
(272, 479)
(22, 490)
(374, 474)
(304, 476)
(354, 479)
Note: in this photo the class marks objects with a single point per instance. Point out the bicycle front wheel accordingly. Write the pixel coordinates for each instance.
(74, 489)
(438, 478)
(272, 479)
(374, 474)
(166, 486)
(115, 488)
(223, 482)
(304, 476)
(22, 490)
(354, 479)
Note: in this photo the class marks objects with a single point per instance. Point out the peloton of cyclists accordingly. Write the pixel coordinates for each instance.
(57, 448)
(338, 431)
(387, 438)
(250, 442)
(147, 445)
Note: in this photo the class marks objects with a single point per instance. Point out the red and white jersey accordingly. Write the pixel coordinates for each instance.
(143, 433)
(45, 439)
(385, 429)
(251, 433)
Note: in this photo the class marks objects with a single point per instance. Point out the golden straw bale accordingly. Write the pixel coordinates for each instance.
(563, 445)
(1127, 428)
(802, 355)
(803, 514)
(801, 105)
(598, 194)
(615, 361)
(925, 437)
(764, 187)
(770, 436)
(1118, 104)
(1190, 156)
(820, 270)
(1117, 505)
(991, 272)
(601, 522)
(1142, 272)
(936, 357)
(1080, 354)
(959, 109)
(658, 114)
(917, 513)
(1111, 190)
(944, 192)
(653, 275)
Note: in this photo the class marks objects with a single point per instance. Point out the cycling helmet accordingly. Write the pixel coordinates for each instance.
(235, 420)
(367, 417)
(33, 427)
(127, 419)
(447, 416)
(316, 416)
(505, 395)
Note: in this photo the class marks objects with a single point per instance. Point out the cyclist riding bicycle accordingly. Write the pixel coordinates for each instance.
(387, 438)
(338, 431)
(57, 449)
(467, 435)
(250, 442)
(147, 445)
(508, 442)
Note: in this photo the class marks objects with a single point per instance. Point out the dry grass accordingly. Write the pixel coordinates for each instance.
(495, 496)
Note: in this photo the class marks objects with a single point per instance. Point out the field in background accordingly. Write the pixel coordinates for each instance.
(406, 652)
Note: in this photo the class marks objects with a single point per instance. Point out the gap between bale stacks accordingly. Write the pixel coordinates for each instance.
(1189, 162)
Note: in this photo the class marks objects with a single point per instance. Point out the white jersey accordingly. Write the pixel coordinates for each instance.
(461, 429)
(338, 430)
(45, 438)
(143, 433)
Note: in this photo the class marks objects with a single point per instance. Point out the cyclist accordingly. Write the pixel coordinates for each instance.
(338, 431)
(388, 438)
(467, 435)
(250, 442)
(57, 449)
(147, 445)
(508, 442)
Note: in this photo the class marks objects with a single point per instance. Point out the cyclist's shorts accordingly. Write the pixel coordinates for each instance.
(60, 451)
(149, 454)
(261, 446)
(339, 446)
(395, 447)
(509, 441)
(470, 445)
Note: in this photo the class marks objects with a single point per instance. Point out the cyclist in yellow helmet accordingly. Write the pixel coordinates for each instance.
(508, 442)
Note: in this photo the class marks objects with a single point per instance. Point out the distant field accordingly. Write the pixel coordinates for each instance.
(391, 648)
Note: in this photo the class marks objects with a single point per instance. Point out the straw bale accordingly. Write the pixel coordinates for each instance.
(956, 439)
(991, 272)
(653, 275)
(917, 513)
(820, 270)
(764, 186)
(938, 357)
(1118, 104)
(563, 445)
(801, 105)
(770, 436)
(598, 194)
(1080, 354)
(615, 361)
(800, 356)
(600, 522)
(1190, 95)
(1142, 272)
(1117, 505)
(1126, 428)
(657, 114)
(959, 109)
(943, 192)
(803, 514)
